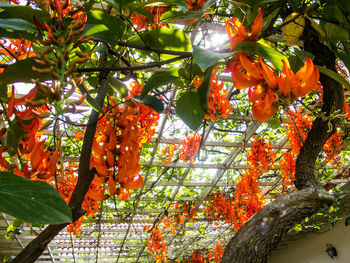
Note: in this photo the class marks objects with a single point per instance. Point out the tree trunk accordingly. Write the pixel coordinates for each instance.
(264, 231)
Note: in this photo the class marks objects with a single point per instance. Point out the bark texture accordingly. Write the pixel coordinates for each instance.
(263, 232)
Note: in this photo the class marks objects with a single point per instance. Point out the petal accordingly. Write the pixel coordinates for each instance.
(250, 67)
(264, 114)
(257, 25)
(268, 74)
(240, 79)
(123, 193)
(309, 83)
(133, 183)
(30, 96)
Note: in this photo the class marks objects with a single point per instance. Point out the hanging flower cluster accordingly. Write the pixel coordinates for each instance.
(195, 4)
(261, 157)
(147, 117)
(205, 256)
(287, 164)
(265, 86)
(222, 208)
(218, 102)
(189, 148)
(156, 245)
(299, 130)
(143, 22)
(333, 147)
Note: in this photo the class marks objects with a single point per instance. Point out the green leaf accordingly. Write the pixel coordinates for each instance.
(17, 25)
(32, 201)
(151, 101)
(118, 86)
(335, 76)
(159, 79)
(254, 48)
(164, 38)
(336, 32)
(347, 221)
(345, 58)
(189, 109)
(13, 137)
(89, 99)
(104, 27)
(173, 16)
(206, 58)
(204, 88)
(21, 71)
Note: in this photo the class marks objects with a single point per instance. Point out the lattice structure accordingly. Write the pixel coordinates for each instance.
(116, 233)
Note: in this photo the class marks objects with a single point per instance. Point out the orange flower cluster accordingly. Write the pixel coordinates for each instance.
(263, 83)
(248, 193)
(221, 208)
(143, 22)
(117, 136)
(147, 117)
(333, 147)
(303, 123)
(195, 4)
(287, 164)
(261, 156)
(17, 48)
(156, 245)
(218, 103)
(167, 153)
(189, 148)
(67, 178)
(198, 257)
(43, 162)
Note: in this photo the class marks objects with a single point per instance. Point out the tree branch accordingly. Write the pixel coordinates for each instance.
(37, 246)
(134, 68)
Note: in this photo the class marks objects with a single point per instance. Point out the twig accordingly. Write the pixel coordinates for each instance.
(133, 68)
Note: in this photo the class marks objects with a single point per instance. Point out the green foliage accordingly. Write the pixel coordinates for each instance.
(204, 88)
(151, 101)
(206, 58)
(159, 79)
(21, 71)
(104, 27)
(32, 201)
(190, 110)
(164, 38)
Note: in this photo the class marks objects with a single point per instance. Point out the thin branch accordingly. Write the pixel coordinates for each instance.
(154, 49)
(134, 68)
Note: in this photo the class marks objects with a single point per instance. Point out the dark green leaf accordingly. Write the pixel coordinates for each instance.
(23, 12)
(189, 109)
(21, 71)
(159, 79)
(17, 24)
(151, 101)
(206, 58)
(118, 86)
(90, 100)
(336, 32)
(335, 76)
(32, 201)
(104, 27)
(347, 221)
(13, 136)
(254, 48)
(204, 88)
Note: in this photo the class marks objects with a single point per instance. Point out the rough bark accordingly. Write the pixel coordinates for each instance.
(37, 246)
(263, 232)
